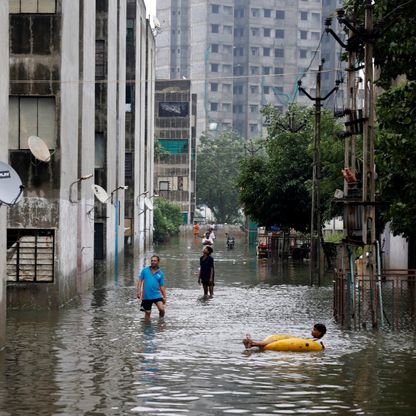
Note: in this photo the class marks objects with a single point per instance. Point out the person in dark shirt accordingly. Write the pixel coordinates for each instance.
(206, 271)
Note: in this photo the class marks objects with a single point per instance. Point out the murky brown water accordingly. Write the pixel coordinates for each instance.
(98, 356)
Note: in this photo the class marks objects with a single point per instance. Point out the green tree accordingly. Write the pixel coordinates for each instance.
(167, 219)
(217, 171)
(276, 187)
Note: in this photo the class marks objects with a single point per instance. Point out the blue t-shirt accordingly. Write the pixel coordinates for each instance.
(152, 282)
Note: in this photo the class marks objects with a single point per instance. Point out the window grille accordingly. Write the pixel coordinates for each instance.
(30, 255)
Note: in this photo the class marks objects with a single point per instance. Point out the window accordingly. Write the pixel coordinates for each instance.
(239, 13)
(254, 70)
(214, 86)
(238, 31)
(266, 89)
(303, 53)
(33, 6)
(278, 90)
(238, 89)
(164, 186)
(226, 107)
(30, 255)
(303, 34)
(266, 70)
(31, 116)
(279, 52)
(316, 35)
(227, 49)
(254, 89)
(254, 51)
(280, 14)
(215, 8)
(255, 12)
(215, 67)
(267, 12)
(254, 108)
(279, 34)
(255, 31)
(100, 59)
(215, 28)
(316, 18)
(226, 87)
(99, 151)
(238, 70)
(278, 71)
(214, 47)
(303, 15)
(238, 108)
(253, 128)
(228, 10)
(226, 126)
(214, 106)
(227, 69)
(228, 30)
(238, 51)
(266, 51)
(267, 32)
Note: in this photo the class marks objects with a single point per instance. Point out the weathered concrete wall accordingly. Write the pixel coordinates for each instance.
(86, 153)
(4, 122)
(395, 250)
(66, 238)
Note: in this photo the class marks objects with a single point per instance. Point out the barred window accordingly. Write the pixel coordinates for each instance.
(30, 255)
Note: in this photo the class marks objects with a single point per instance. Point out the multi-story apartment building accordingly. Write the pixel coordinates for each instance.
(4, 122)
(68, 87)
(175, 164)
(243, 54)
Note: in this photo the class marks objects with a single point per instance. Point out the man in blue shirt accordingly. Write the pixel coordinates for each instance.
(151, 289)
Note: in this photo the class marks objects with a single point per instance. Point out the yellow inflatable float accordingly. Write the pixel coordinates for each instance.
(285, 342)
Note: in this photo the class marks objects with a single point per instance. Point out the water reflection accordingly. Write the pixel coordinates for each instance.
(100, 356)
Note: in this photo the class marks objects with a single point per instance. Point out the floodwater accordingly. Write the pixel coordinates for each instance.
(98, 356)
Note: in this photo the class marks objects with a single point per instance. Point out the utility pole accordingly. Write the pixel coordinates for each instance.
(316, 226)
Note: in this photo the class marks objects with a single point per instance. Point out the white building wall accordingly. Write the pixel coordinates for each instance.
(395, 250)
(66, 238)
(4, 131)
(86, 152)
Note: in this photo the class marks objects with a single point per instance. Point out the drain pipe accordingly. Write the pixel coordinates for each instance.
(380, 294)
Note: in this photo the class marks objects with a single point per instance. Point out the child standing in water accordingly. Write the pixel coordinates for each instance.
(206, 271)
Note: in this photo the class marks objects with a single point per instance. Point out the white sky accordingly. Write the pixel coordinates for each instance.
(150, 7)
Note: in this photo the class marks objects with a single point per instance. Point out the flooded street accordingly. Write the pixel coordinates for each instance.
(98, 356)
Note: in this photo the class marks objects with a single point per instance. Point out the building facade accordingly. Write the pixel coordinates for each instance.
(243, 54)
(175, 163)
(68, 86)
(4, 122)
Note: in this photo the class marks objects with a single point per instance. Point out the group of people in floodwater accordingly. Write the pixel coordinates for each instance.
(150, 288)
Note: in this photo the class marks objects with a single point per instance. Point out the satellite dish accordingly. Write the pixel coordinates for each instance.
(148, 203)
(100, 193)
(39, 149)
(212, 126)
(156, 22)
(11, 187)
(338, 194)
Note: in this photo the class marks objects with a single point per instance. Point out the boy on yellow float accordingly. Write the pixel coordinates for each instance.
(318, 331)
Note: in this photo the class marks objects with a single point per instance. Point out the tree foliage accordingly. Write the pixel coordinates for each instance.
(276, 186)
(167, 219)
(217, 171)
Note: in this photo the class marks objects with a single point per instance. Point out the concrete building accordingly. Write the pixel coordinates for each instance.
(175, 165)
(68, 87)
(243, 54)
(139, 119)
(4, 122)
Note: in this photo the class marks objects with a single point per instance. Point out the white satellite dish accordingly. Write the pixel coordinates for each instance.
(212, 126)
(148, 203)
(338, 194)
(39, 149)
(100, 193)
(11, 187)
